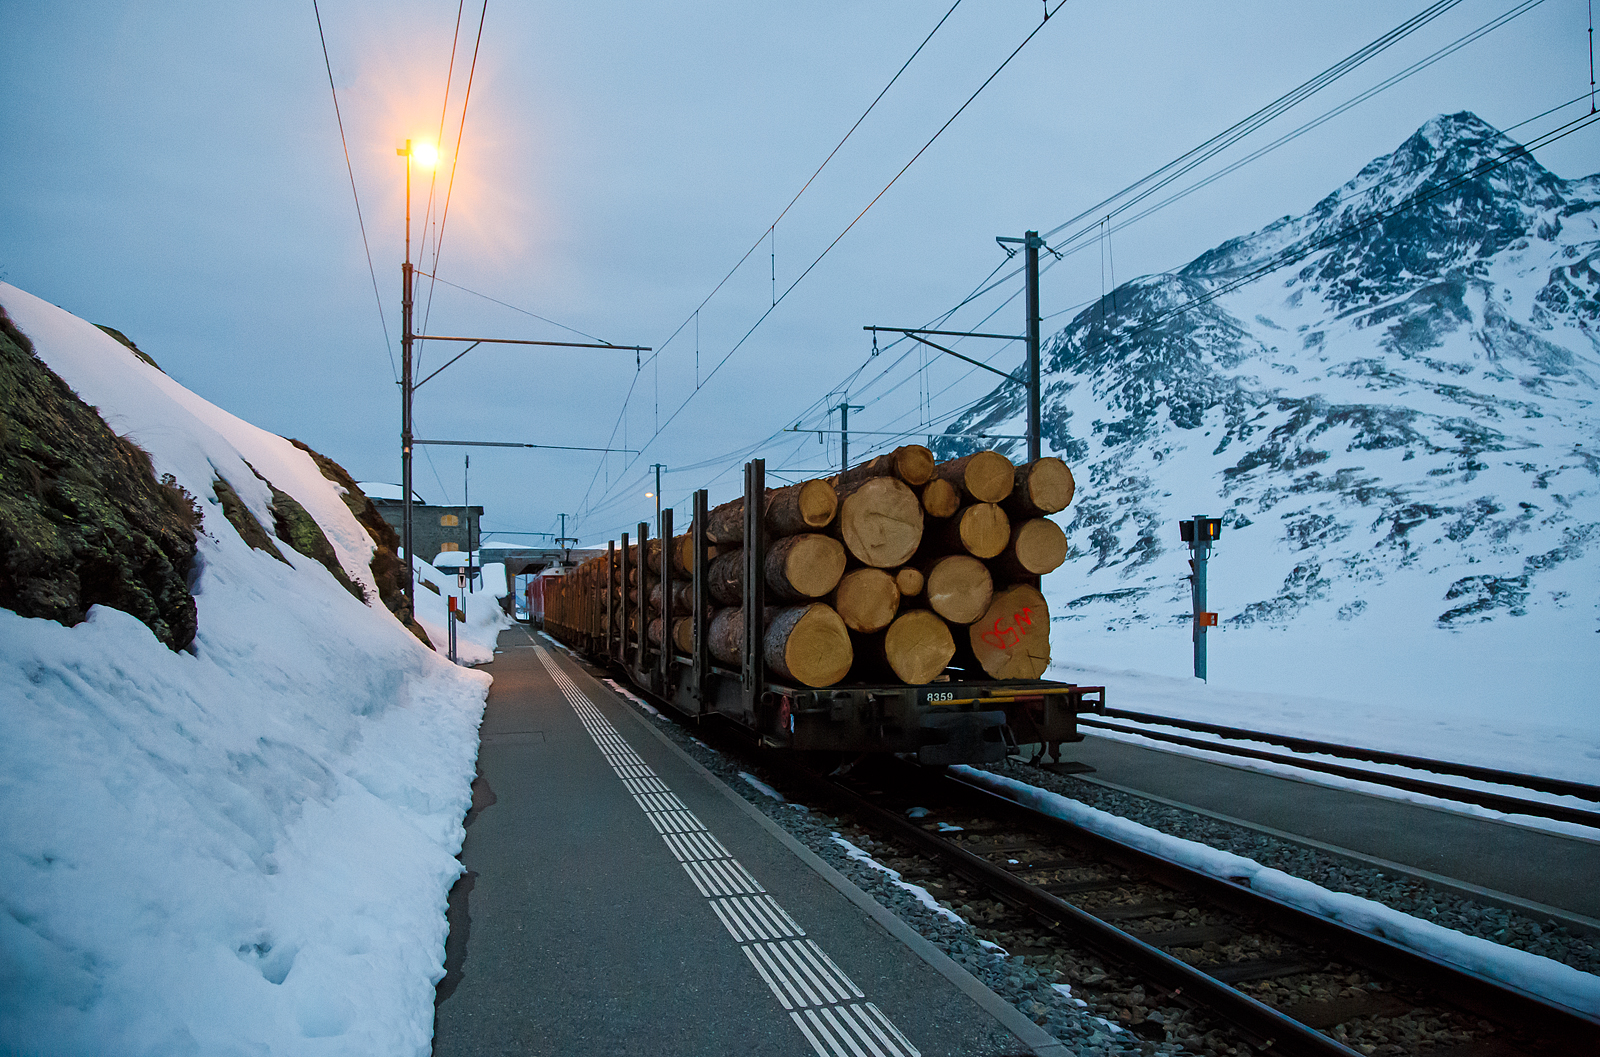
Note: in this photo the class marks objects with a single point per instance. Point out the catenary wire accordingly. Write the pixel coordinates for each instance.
(893, 180)
(360, 222)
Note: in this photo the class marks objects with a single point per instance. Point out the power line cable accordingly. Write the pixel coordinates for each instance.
(360, 222)
(433, 178)
(514, 308)
(695, 315)
(893, 180)
(455, 161)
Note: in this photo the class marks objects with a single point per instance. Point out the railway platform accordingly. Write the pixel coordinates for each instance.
(1500, 862)
(621, 900)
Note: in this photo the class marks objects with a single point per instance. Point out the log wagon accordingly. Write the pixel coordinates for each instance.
(896, 609)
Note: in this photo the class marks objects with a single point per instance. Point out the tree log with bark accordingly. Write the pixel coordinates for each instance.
(912, 463)
(1041, 487)
(982, 477)
(980, 529)
(940, 498)
(808, 645)
(798, 568)
(808, 506)
(1037, 546)
(682, 554)
(917, 647)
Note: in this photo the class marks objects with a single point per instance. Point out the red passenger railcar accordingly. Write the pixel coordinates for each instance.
(537, 593)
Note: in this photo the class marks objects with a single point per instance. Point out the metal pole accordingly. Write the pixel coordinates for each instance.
(844, 410)
(1202, 551)
(466, 511)
(658, 467)
(702, 664)
(1034, 242)
(405, 398)
(664, 662)
(642, 602)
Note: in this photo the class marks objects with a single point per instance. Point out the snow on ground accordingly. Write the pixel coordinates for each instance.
(476, 637)
(241, 848)
(1528, 972)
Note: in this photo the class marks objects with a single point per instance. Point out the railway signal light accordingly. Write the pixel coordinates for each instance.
(1199, 533)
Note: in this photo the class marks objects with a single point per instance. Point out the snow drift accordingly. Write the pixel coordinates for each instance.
(244, 847)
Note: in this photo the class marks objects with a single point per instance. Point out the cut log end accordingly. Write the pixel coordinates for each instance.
(940, 498)
(808, 645)
(984, 530)
(909, 581)
(986, 476)
(1044, 486)
(816, 503)
(913, 463)
(1039, 546)
(918, 646)
(808, 565)
(959, 588)
(881, 522)
(868, 599)
(1012, 638)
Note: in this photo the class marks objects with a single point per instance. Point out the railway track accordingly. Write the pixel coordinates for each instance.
(1221, 739)
(1205, 958)
(1286, 981)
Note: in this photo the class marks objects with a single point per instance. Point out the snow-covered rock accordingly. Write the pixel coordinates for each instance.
(244, 847)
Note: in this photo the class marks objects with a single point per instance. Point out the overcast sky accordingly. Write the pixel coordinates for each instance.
(175, 170)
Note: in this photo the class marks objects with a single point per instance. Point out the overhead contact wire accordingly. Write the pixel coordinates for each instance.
(360, 222)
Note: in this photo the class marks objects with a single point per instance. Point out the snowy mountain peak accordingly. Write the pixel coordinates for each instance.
(1391, 396)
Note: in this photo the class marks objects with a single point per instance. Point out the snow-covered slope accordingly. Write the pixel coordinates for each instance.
(244, 847)
(1390, 401)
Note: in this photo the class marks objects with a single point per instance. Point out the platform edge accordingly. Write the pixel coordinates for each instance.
(1038, 1041)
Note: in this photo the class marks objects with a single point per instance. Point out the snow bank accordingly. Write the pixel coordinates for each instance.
(246, 847)
(1529, 972)
(476, 637)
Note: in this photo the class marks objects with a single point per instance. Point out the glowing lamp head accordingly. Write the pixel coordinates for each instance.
(426, 155)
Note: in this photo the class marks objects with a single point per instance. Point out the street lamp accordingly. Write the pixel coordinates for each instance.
(425, 155)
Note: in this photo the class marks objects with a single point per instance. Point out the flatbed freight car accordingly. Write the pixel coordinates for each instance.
(956, 718)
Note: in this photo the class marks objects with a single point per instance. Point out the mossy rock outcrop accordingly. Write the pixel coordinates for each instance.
(83, 520)
(388, 568)
(297, 528)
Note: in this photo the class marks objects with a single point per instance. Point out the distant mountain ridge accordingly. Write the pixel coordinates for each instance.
(1400, 409)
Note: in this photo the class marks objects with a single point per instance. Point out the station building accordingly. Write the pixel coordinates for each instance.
(434, 529)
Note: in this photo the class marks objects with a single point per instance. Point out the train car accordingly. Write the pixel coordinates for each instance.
(538, 593)
(959, 716)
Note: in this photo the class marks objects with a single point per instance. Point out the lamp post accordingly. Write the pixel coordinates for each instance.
(425, 155)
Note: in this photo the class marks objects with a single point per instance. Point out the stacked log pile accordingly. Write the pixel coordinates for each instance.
(900, 568)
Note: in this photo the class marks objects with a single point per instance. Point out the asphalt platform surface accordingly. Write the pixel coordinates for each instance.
(582, 932)
(1545, 868)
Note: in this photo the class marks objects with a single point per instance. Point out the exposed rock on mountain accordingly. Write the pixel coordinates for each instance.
(1391, 396)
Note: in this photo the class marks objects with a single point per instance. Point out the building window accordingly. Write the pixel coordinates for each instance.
(449, 520)
(449, 547)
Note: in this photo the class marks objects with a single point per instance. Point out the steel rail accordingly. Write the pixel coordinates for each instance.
(1270, 1031)
(1458, 985)
(1496, 801)
(1554, 786)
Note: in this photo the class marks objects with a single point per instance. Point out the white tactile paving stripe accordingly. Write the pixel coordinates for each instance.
(825, 1004)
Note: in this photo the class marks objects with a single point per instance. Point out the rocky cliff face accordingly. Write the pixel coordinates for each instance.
(1390, 396)
(83, 520)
